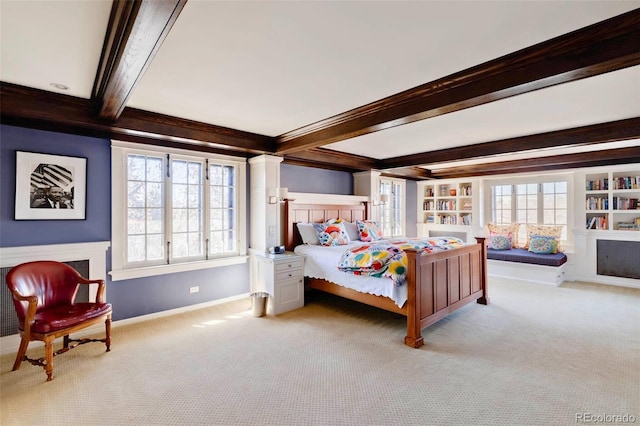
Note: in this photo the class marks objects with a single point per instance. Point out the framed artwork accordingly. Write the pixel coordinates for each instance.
(50, 187)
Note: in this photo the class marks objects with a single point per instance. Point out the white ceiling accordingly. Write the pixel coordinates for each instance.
(271, 67)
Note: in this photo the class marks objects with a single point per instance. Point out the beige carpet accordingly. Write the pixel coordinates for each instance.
(534, 356)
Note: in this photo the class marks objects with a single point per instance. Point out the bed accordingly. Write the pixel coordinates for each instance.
(437, 284)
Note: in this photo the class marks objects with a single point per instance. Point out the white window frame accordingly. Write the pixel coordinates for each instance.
(539, 180)
(120, 269)
(385, 208)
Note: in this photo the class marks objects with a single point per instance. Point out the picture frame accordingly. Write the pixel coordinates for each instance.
(50, 187)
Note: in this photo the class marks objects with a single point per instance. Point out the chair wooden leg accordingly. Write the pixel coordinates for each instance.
(21, 352)
(107, 326)
(65, 341)
(48, 354)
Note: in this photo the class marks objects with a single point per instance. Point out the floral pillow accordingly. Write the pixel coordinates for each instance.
(499, 242)
(554, 231)
(332, 233)
(543, 244)
(369, 230)
(510, 231)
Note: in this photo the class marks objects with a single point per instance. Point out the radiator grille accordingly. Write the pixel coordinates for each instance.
(8, 319)
(618, 258)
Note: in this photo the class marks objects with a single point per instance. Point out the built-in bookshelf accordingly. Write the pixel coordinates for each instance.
(612, 200)
(448, 204)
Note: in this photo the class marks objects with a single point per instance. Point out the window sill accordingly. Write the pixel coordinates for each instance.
(150, 271)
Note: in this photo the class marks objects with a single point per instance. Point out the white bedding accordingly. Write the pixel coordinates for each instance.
(322, 262)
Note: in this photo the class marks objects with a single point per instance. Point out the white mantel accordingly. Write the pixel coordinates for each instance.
(94, 252)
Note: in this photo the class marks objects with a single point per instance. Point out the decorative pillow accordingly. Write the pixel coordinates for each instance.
(369, 230)
(509, 231)
(543, 244)
(554, 231)
(308, 233)
(332, 233)
(499, 242)
(352, 230)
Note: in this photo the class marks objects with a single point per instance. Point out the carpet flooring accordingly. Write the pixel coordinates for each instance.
(535, 356)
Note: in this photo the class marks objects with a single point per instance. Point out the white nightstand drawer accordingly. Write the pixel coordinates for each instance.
(289, 274)
(289, 264)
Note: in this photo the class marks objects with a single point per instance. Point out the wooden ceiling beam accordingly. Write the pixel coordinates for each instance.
(413, 173)
(585, 135)
(45, 110)
(555, 162)
(606, 46)
(328, 157)
(135, 32)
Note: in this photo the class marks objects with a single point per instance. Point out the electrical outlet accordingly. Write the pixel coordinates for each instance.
(194, 289)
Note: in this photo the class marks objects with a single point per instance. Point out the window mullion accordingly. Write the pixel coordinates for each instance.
(514, 203)
(168, 210)
(540, 204)
(206, 207)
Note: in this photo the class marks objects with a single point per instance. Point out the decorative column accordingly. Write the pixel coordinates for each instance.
(265, 214)
(368, 184)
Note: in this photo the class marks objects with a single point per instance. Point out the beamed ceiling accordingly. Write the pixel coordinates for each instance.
(136, 31)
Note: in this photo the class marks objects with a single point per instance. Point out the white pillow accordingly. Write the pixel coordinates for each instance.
(308, 233)
(352, 231)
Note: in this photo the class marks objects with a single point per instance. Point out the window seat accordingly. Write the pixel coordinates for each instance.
(522, 265)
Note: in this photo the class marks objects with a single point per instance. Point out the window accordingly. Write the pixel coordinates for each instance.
(175, 210)
(544, 203)
(392, 217)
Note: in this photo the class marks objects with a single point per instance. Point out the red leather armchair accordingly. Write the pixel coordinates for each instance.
(43, 295)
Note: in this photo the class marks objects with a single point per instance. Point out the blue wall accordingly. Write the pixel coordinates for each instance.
(317, 181)
(130, 298)
(97, 226)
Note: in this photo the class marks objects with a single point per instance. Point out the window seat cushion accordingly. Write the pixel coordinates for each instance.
(525, 256)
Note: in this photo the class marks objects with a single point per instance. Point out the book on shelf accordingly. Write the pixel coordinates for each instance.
(627, 226)
(465, 191)
(598, 184)
(597, 203)
(623, 203)
(597, 222)
(626, 182)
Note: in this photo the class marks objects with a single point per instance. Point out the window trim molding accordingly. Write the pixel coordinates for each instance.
(403, 184)
(150, 271)
(119, 151)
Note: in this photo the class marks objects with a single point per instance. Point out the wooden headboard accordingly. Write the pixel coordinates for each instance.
(318, 213)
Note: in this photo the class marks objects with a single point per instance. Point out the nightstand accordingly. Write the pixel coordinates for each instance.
(281, 276)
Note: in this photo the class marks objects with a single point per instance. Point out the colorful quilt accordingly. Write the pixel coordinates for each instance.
(386, 258)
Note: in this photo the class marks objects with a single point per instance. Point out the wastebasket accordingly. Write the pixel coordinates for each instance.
(259, 302)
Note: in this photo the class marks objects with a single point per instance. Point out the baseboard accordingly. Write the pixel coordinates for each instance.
(10, 344)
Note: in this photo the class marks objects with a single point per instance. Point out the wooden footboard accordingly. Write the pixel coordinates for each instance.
(441, 283)
(438, 283)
